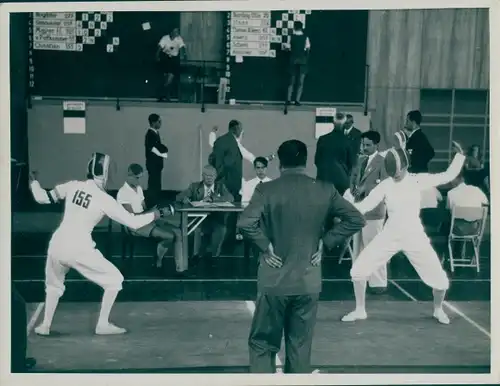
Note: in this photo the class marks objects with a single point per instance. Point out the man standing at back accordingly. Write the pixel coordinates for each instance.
(288, 228)
(417, 145)
(156, 152)
(334, 156)
(354, 136)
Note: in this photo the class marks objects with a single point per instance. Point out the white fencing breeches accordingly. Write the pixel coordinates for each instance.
(377, 279)
(89, 262)
(417, 248)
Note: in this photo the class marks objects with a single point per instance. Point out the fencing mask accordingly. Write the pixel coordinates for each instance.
(400, 140)
(396, 161)
(98, 168)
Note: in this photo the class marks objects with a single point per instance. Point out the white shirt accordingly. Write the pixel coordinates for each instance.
(171, 47)
(430, 198)
(347, 131)
(132, 197)
(468, 196)
(402, 198)
(85, 206)
(248, 187)
(370, 159)
(208, 191)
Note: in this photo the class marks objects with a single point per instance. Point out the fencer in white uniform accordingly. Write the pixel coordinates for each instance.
(403, 230)
(71, 245)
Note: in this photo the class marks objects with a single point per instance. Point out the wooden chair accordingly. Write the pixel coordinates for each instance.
(128, 243)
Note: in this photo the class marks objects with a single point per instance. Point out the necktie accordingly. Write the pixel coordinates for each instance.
(260, 182)
(364, 164)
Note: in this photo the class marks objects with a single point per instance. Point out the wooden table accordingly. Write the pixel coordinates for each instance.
(193, 216)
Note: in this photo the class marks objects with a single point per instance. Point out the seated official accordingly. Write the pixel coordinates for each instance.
(466, 195)
(131, 196)
(213, 228)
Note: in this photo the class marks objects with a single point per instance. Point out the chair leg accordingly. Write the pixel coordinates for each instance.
(450, 255)
(476, 250)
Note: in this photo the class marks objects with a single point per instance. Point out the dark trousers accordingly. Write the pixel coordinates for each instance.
(19, 326)
(154, 186)
(275, 316)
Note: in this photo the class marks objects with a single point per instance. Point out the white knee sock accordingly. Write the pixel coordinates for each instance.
(108, 299)
(359, 293)
(51, 302)
(438, 298)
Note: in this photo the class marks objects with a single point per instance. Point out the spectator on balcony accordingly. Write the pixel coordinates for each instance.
(299, 48)
(171, 49)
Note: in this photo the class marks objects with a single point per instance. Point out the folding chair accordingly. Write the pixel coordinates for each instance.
(475, 238)
(347, 249)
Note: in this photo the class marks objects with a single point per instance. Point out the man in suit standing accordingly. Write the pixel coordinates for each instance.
(228, 160)
(156, 152)
(286, 219)
(213, 228)
(368, 173)
(334, 156)
(354, 136)
(417, 144)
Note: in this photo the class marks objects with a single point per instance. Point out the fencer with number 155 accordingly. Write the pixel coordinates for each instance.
(71, 245)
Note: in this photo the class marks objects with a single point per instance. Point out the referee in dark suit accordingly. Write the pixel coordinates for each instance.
(417, 145)
(156, 152)
(286, 219)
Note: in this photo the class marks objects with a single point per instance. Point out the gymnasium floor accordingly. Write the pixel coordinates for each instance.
(201, 323)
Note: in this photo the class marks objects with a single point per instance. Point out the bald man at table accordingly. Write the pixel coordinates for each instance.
(213, 228)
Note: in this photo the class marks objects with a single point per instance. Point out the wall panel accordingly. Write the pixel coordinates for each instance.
(413, 49)
(203, 34)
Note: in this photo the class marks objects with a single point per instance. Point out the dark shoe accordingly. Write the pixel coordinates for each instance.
(182, 275)
(288, 103)
(297, 103)
(194, 260)
(378, 290)
(29, 363)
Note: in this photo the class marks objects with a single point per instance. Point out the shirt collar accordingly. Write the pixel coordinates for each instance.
(298, 170)
(371, 157)
(347, 131)
(413, 132)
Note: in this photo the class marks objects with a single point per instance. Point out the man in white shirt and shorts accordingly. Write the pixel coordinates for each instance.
(131, 196)
(171, 49)
(71, 245)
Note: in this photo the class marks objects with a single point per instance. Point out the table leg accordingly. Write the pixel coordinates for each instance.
(185, 238)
